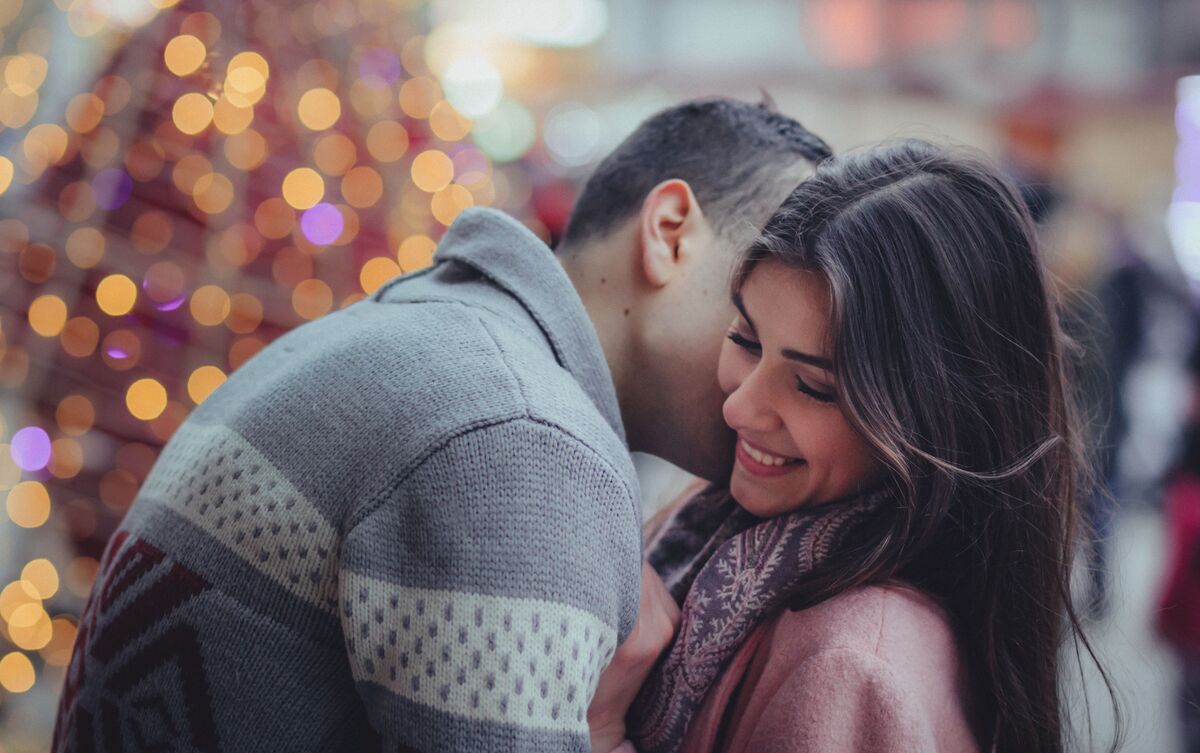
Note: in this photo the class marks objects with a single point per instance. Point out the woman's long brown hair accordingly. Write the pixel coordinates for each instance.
(951, 362)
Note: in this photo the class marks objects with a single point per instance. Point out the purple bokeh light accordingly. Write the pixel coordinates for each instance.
(322, 224)
(379, 67)
(112, 187)
(30, 448)
(116, 353)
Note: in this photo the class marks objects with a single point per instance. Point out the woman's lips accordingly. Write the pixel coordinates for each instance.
(765, 463)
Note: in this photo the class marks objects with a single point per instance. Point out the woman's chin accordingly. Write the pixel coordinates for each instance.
(758, 501)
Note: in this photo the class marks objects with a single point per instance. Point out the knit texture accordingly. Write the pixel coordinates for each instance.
(412, 524)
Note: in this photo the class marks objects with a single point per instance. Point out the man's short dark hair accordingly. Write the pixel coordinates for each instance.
(740, 160)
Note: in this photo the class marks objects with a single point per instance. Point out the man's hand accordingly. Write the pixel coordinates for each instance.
(658, 619)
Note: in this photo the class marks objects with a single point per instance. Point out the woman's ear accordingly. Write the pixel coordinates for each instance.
(670, 213)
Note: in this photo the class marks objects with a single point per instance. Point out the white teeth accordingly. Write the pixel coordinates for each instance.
(763, 457)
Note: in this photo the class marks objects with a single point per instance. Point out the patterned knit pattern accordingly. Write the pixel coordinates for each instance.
(730, 571)
(410, 525)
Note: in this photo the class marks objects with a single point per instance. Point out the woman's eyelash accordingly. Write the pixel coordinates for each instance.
(742, 342)
(814, 394)
(756, 348)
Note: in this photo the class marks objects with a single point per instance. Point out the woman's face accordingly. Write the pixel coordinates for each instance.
(795, 446)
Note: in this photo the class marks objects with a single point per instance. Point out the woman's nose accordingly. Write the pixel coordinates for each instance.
(750, 408)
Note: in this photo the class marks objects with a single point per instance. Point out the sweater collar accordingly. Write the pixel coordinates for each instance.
(517, 261)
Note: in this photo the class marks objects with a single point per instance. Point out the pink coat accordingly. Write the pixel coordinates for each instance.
(875, 669)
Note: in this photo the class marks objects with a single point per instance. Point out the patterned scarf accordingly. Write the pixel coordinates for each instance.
(730, 571)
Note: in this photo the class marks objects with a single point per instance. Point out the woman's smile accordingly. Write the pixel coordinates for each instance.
(760, 462)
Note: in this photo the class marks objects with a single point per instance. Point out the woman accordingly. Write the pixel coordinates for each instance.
(889, 567)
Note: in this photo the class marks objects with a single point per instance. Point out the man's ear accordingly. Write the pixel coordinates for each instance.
(670, 213)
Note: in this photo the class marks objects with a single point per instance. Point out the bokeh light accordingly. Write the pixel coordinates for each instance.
(387, 141)
(335, 153)
(473, 85)
(230, 119)
(184, 54)
(29, 627)
(75, 415)
(80, 336)
(30, 448)
(85, 247)
(213, 193)
(246, 150)
(312, 298)
(193, 112)
(418, 95)
(16, 672)
(246, 78)
(447, 123)
(507, 132)
(319, 109)
(116, 295)
(15, 595)
(47, 315)
(210, 305)
(121, 350)
(274, 218)
(152, 231)
(432, 170)
(322, 224)
(362, 186)
(573, 134)
(66, 458)
(28, 504)
(146, 398)
(42, 575)
(245, 313)
(303, 188)
(449, 202)
(415, 252)
(203, 381)
(84, 112)
(376, 272)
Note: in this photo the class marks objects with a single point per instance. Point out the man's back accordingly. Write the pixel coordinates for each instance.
(416, 514)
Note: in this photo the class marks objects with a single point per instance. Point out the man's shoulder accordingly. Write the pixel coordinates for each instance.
(411, 373)
(486, 329)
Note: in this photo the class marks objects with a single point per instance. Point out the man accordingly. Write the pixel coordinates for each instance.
(414, 523)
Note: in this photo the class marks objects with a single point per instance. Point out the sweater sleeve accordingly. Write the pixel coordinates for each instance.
(843, 701)
(482, 597)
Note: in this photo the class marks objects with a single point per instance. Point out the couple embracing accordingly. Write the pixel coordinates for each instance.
(414, 524)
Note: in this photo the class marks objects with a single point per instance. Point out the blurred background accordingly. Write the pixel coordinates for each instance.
(181, 181)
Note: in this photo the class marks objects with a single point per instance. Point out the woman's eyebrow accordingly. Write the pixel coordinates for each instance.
(788, 353)
(795, 355)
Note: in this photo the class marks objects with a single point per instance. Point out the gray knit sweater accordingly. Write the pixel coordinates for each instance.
(412, 524)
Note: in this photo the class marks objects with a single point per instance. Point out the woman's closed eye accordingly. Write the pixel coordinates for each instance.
(755, 349)
(814, 393)
(745, 343)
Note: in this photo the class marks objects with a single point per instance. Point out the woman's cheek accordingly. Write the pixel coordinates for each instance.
(852, 457)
